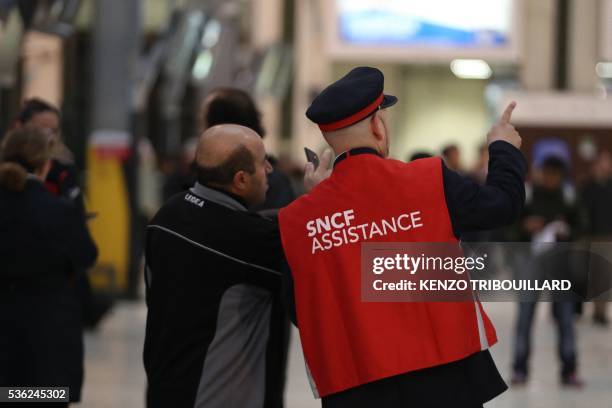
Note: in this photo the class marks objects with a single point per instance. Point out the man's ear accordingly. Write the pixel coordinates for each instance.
(240, 180)
(377, 126)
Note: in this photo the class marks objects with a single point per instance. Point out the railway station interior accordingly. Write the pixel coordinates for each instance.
(129, 80)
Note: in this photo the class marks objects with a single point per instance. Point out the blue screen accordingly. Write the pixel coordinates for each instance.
(448, 23)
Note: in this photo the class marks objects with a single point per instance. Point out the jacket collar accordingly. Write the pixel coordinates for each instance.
(217, 197)
(355, 152)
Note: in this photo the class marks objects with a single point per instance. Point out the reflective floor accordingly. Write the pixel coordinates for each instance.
(114, 375)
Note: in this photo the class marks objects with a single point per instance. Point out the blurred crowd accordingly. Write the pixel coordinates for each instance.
(46, 299)
(557, 209)
(46, 249)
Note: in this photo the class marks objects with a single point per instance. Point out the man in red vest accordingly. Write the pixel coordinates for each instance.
(379, 354)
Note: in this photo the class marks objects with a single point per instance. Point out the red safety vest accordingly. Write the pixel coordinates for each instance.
(347, 342)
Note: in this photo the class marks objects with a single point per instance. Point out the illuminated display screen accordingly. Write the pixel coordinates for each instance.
(426, 23)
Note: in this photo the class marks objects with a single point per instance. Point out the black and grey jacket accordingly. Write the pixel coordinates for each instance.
(215, 320)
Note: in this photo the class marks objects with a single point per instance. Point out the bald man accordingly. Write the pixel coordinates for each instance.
(235, 106)
(211, 272)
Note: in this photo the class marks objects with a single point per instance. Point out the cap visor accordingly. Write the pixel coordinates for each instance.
(388, 101)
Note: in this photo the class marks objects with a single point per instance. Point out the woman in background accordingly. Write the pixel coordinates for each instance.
(43, 245)
(63, 180)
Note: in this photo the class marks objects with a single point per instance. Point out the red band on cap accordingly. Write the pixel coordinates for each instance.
(329, 127)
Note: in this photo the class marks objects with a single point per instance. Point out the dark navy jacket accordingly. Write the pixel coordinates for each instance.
(44, 243)
(215, 325)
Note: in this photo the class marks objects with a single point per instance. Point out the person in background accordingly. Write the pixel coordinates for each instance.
(44, 245)
(181, 178)
(46, 117)
(548, 207)
(479, 175)
(212, 271)
(234, 106)
(481, 169)
(418, 155)
(63, 175)
(62, 180)
(597, 199)
(293, 170)
(452, 157)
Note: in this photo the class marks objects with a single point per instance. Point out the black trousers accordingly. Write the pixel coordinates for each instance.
(467, 383)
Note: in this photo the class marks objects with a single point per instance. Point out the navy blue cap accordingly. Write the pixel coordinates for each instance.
(350, 99)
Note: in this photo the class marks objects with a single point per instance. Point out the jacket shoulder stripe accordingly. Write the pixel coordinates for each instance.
(240, 261)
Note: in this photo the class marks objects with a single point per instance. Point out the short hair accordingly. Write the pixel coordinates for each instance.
(34, 106)
(241, 159)
(448, 149)
(232, 106)
(419, 155)
(554, 163)
(24, 151)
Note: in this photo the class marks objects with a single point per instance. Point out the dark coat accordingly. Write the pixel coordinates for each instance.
(215, 324)
(43, 244)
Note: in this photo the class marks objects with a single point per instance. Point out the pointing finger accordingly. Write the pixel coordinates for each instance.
(507, 115)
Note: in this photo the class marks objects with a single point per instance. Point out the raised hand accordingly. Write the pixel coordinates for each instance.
(313, 177)
(504, 131)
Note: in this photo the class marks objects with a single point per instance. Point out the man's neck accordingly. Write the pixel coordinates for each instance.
(338, 150)
(233, 195)
(209, 192)
(355, 151)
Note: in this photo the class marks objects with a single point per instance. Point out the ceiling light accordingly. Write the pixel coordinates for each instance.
(471, 69)
(604, 70)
